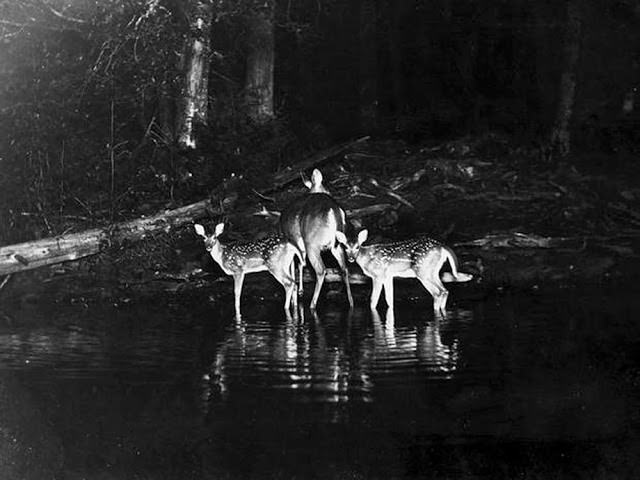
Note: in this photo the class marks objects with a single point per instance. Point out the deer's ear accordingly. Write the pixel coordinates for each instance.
(316, 177)
(362, 236)
(219, 229)
(341, 238)
(200, 230)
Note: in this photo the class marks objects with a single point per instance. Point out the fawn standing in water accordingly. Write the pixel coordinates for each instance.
(420, 258)
(273, 254)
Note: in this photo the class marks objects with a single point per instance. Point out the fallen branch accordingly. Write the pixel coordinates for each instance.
(368, 210)
(282, 178)
(390, 193)
(403, 182)
(5, 280)
(516, 239)
(616, 243)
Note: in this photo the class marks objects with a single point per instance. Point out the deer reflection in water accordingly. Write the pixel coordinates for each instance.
(420, 345)
(336, 358)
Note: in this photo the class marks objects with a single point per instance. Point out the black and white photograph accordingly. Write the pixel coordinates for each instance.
(319, 239)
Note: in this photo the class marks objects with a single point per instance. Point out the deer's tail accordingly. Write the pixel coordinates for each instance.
(454, 275)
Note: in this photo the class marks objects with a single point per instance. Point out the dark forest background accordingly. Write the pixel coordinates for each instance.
(90, 91)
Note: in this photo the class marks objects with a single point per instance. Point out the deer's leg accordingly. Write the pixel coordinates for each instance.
(443, 301)
(301, 272)
(375, 292)
(294, 295)
(443, 293)
(437, 291)
(388, 292)
(302, 260)
(289, 289)
(283, 276)
(289, 284)
(318, 266)
(238, 278)
(292, 274)
(338, 254)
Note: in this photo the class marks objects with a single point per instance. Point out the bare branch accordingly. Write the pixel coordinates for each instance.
(62, 16)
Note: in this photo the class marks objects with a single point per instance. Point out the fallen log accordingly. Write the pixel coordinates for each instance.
(74, 246)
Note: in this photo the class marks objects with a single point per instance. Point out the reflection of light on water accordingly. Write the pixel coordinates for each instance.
(440, 357)
(334, 359)
(419, 345)
(384, 333)
(292, 356)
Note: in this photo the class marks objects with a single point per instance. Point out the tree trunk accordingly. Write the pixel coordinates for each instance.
(260, 62)
(560, 141)
(195, 92)
(368, 88)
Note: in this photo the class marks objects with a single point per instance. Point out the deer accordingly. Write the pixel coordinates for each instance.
(273, 254)
(420, 258)
(310, 224)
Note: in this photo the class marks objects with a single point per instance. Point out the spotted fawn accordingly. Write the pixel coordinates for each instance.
(311, 224)
(420, 258)
(273, 254)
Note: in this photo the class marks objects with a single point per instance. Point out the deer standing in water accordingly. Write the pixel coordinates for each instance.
(420, 258)
(311, 224)
(273, 254)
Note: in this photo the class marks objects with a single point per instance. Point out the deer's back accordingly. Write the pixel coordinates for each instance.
(309, 213)
(413, 249)
(252, 255)
(399, 258)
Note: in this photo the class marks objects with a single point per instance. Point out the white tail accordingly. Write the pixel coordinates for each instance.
(311, 223)
(420, 258)
(273, 254)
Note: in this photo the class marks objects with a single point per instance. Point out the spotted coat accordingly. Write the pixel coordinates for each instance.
(252, 256)
(400, 259)
(420, 257)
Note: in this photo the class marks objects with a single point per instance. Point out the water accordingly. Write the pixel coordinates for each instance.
(528, 385)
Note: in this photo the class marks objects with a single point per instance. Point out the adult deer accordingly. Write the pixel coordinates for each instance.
(420, 258)
(311, 224)
(273, 254)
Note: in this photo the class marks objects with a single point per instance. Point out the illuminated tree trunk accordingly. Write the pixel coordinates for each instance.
(368, 88)
(560, 141)
(195, 93)
(260, 62)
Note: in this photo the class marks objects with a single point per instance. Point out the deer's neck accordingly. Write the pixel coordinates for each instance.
(216, 253)
(364, 256)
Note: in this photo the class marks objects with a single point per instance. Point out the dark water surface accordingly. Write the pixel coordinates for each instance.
(518, 385)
